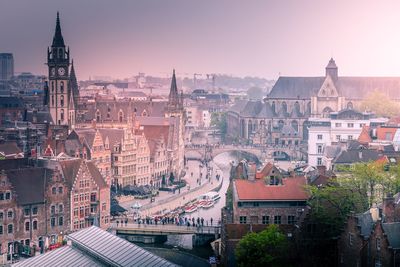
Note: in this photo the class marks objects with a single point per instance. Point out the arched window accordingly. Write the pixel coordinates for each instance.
(62, 100)
(326, 111)
(62, 114)
(98, 116)
(10, 229)
(54, 190)
(120, 116)
(61, 87)
(27, 226)
(52, 86)
(284, 107)
(309, 107)
(350, 105)
(60, 53)
(297, 106)
(273, 106)
(295, 125)
(34, 225)
(280, 124)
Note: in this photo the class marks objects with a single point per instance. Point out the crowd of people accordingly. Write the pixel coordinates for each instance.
(179, 221)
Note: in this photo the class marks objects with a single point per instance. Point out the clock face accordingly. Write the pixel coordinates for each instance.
(53, 71)
(61, 71)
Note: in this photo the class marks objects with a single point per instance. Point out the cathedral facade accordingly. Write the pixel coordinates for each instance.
(293, 100)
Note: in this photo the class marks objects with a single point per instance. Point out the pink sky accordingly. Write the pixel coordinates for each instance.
(257, 38)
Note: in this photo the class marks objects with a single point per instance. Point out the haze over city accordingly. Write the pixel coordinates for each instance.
(199, 133)
(256, 38)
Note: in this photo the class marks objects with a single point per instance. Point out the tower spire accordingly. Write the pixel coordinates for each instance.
(58, 39)
(173, 93)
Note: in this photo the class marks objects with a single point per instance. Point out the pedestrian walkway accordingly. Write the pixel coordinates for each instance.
(168, 201)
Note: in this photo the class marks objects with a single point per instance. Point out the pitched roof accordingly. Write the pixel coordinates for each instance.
(365, 222)
(359, 155)
(114, 135)
(386, 133)
(29, 184)
(67, 255)
(392, 231)
(94, 171)
(113, 250)
(265, 171)
(349, 87)
(10, 148)
(291, 189)
(70, 169)
(364, 136)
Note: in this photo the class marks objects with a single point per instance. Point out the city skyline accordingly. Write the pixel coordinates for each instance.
(263, 38)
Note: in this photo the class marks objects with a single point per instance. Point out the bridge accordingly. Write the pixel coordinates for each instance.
(261, 152)
(163, 229)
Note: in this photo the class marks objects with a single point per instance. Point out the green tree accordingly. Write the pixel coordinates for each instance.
(380, 104)
(218, 120)
(267, 248)
(331, 204)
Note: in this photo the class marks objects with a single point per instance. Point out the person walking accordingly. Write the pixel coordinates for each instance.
(211, 221)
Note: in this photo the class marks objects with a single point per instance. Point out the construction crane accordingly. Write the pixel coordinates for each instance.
(212, 75)
(195, 79)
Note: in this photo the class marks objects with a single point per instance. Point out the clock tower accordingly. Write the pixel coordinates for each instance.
(59, 92)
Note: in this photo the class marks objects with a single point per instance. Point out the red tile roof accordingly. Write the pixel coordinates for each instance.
(265, 171)
(292, 189)
(364, 137)
(386, 133)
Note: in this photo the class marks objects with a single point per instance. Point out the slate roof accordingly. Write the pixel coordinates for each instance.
(114, 135)
(29, 184)
(129, 108)
(11, 102)
(365, 223)
(253, 108)
(392, 231)
(113, 250)
(70, 169)
(291, 189)
(332, 151)
(296, 87)
(349, 87)
(353, 156)
(41, 116)
(10, 148)
(95, 173)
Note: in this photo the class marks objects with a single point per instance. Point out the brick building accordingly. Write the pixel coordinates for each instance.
(258, 199)
(89, 144)
(370, 240)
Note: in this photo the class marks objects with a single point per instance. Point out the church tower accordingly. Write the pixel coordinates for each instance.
(59, 90)
(176, 111)
(332, 70)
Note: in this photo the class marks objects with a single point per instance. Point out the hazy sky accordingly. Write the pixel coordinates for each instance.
(258, 38)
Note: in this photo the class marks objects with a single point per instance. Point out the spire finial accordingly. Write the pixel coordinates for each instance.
(173, 72)
(58, 40)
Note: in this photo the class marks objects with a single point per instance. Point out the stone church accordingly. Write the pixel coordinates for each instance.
(284, 112)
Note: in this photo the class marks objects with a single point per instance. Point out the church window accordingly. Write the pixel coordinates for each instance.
(273, 106)
(52, 100)
(62, 114)
(295, 125)
(62, 100)
(97, 116)
(284, 107)
(60, 53)
(52, 86)
(280, 124)
(61, 87)
(120, 116)
(350, 105)
(323, 92)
